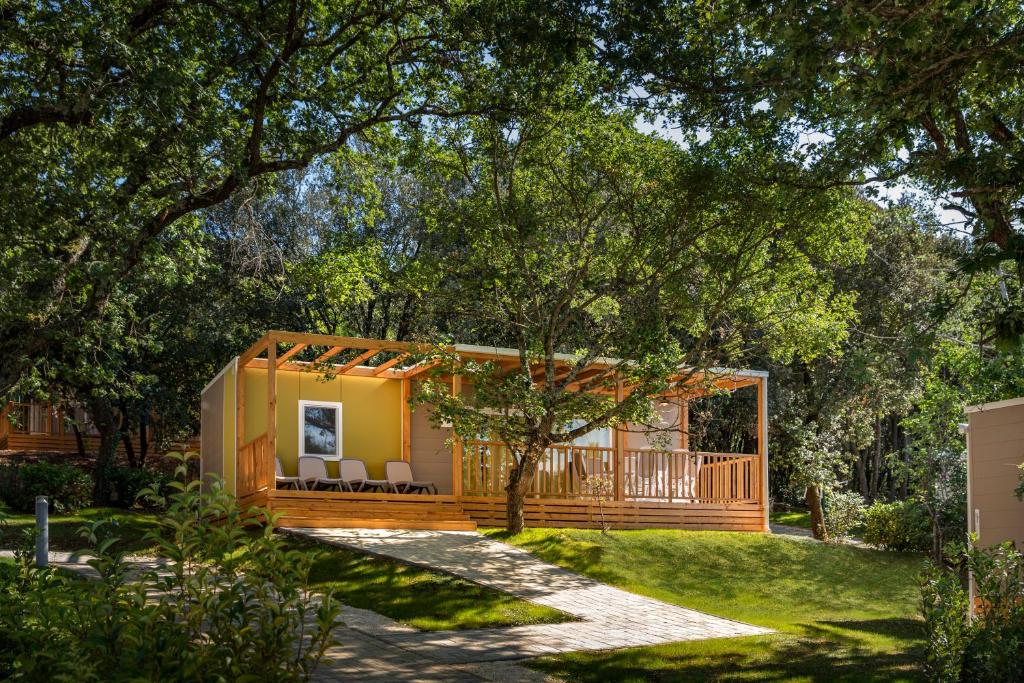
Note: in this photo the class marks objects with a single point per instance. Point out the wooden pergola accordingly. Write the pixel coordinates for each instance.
(279, 350)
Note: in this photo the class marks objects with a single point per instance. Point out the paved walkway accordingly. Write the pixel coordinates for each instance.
(609, 617)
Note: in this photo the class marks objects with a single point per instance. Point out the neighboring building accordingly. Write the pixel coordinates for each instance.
(34, 427)
(995, 449)
(267, 405)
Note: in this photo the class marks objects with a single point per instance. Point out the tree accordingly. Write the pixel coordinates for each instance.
(121, 120)
(923, 91)
(577, 234)
(837, 419)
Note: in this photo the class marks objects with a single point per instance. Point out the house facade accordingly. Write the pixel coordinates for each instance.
(294, 394)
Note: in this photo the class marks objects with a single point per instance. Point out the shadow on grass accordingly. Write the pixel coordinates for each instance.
(902, 628)
(772, 658)
(65, 530)
(419, 597)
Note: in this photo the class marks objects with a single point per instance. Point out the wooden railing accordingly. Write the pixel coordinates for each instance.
(486, 466)
(254, 467)
(648, 474)
(691, 476)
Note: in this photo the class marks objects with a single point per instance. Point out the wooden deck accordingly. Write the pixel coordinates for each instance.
(657, 489)
(330, 509)
(620, 484)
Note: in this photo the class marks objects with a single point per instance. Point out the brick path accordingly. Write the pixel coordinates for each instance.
(609, 617)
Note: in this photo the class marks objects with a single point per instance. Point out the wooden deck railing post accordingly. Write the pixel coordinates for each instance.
(406, 421)
(239, 421)
(762, 444)
(684, 422)
(456, 445)
(619, 444)
(271, 451)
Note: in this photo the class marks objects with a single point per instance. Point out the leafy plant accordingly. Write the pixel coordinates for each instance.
(987, 646)
(67, 487)
(900, 525)
(129, 482)
(844, 510)
(230, 604)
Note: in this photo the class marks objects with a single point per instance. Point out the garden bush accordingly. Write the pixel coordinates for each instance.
(900, 525)
(987, 648)
(230, 604)
(129, 482)
(843, 511)
(68, 488)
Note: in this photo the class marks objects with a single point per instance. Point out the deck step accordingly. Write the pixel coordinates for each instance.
(339, 511)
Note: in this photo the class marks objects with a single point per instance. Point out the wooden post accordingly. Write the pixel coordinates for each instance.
(456, 445)
(240, 422)
(619, 446)
(762, 443)
(684, 422)
(271, 405)
(406, 421)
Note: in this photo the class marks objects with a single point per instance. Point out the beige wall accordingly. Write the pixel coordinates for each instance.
(430, 454)
(995, 441)
(640, 436)
(211, 431)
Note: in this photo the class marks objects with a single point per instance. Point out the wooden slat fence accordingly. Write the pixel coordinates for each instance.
(254, 468)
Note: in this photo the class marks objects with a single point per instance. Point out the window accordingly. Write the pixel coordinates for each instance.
(601, 438)
(320, 429)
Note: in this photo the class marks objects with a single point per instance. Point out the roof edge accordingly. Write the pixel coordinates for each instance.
(995, 405)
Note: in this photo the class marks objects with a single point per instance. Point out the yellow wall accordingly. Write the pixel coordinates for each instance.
(371, 415)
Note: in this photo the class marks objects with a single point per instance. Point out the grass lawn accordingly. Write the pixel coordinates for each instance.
(797, 518)
(843, 613)
(129, 526)
(424, 599)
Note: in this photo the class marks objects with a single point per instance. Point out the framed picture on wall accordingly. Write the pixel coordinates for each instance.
(320, 429)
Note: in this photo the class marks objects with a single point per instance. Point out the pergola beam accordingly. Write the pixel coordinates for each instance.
(389, 363)
(261, 345)
(283, 358)
(357, 360)
(419, 368)
(330, 353)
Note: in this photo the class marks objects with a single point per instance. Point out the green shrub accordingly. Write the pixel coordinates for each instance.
(230, 604)
(987, 648)
(901, 525)
(843, 511)
(67, 487)
(129, 482)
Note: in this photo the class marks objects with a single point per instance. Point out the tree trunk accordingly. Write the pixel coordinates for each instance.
(876, 461)
(109, 429)
(813, 500)
(519, 481)
(79, 441)
(862, 472)
(129, 449)
(143, 438)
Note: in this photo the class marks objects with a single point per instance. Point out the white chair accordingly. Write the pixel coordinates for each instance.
(313, 471)
(400, 478)
(355, 478)
(284, 482)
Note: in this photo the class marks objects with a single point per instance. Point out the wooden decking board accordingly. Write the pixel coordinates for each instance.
(334, 522)
(403, 511)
